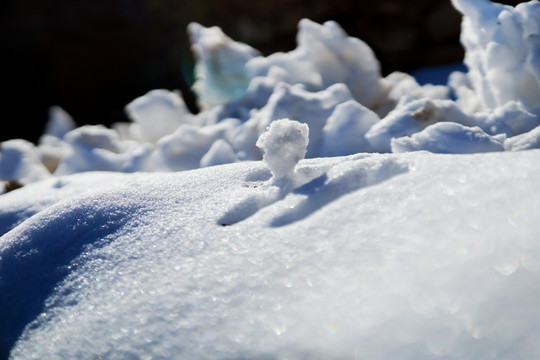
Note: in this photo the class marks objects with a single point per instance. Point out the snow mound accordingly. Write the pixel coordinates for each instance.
(410, 256)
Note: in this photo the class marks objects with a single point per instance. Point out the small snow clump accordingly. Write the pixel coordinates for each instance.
(284, 145)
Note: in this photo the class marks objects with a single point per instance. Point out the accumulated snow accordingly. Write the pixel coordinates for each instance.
(164, 107)
(305, 213)
(443, 137)
(502, 47)
(220, 74)
(331, 82)
(410, 256)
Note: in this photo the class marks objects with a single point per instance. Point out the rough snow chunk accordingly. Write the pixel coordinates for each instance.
(95, 147)
(156, 114)
(326, 55)
(59, 123)
(51, 146)
(399, 85)
(294, 102)
(256, 97)
(414, 117)
(526, 141)
(449, 138)
(184, 149)
(510, 119)
(284, 145)
(502, 46)
(19, 160)
(344, 132)
(220, 153)
(220, 68)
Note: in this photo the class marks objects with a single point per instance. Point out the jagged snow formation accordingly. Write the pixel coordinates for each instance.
(20, 161)
(332, 83)
(220, 74)
(502, 47)
(165, 108)
(442, 138)
(326, 55)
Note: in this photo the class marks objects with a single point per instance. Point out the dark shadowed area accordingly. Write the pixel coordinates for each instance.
(93, 57)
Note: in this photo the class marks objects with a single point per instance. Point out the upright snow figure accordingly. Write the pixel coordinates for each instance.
(502, 46)
(284, 145)
(220, 69)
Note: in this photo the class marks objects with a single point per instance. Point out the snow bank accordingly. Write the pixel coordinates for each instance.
(332, 83)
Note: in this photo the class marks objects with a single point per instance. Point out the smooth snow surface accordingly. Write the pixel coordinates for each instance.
(411, 256)
(363, 218)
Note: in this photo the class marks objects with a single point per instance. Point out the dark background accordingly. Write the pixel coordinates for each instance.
(92, 57)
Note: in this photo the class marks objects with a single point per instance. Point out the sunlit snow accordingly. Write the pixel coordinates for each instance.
(313, 210)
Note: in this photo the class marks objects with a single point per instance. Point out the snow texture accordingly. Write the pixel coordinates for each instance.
(284, 145)
(303, 214)
(410, 256)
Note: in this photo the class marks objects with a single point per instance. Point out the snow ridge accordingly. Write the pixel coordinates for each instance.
(332, 83)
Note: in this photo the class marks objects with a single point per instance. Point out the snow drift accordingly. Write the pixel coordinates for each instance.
(409, 256)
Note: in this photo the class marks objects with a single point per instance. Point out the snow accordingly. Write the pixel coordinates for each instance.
(502, 47)
(241, 92)
(412, 255)
(284, 144)
(442, 138)
(312, 210)
(219, 73)
(164, 107)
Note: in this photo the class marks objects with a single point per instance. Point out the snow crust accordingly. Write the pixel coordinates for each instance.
(303, 214)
